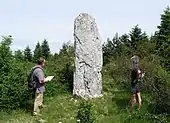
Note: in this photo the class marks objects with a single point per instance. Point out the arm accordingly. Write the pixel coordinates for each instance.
(40, 76)
(143, 74)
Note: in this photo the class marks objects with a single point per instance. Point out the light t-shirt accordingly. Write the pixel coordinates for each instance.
(38, 76)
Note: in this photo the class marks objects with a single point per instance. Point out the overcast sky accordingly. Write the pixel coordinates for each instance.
(30, 21)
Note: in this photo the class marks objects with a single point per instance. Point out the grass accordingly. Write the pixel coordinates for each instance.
(111, 108)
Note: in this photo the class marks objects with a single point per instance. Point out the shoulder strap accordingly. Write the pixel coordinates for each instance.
(35, 68)
(33, 71)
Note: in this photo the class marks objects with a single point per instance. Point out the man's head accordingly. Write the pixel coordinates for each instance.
(41, 62)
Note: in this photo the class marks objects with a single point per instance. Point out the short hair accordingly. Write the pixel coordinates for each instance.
(41, 60)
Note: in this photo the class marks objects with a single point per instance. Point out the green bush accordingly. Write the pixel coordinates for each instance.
(13, 87)
(12, 80)
(161, 92)
(146, 117)
(62, 70)
(119, 70)
(85, 114)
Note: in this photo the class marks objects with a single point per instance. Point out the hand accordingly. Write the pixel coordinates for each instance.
(143, 74)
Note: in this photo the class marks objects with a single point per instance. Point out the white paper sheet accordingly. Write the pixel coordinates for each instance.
(49, 78)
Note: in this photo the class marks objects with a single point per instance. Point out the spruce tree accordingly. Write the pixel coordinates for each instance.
(28, 54)
(45, 49)
(67, 49)
(55, 55)
(124, 39)
(108, 49)
(162, 37)
(164, 28)
(163, 34)
(116, 41)
(136, 35)
(111, 48)
(5, 55)
(18, 55)
(37, 52)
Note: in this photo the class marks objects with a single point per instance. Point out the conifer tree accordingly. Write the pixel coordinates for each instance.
(136, 35)
(163, 37)
(37, 52)
(28, 54)
(45, 49)
(18, 55)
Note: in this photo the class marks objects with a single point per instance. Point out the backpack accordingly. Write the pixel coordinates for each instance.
(30, 80)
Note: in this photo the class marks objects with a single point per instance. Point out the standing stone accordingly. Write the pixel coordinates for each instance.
(88, 58)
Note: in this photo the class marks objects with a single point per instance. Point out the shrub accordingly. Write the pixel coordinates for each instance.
(161, 92)
(85, 112)
(119, 70)
(146, 117)
(13, 87)
(12, 80)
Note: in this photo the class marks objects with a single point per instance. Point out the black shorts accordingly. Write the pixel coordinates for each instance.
(135, 90)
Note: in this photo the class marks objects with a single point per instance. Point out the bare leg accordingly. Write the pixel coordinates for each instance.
(133, 101)
(139, 100)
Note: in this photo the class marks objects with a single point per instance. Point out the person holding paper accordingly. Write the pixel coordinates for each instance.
(39, 78)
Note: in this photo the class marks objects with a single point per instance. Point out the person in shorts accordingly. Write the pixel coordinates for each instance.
(136, 79)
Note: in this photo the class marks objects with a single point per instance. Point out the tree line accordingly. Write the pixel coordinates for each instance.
(41, 50)
(158, 43)
(128, 43)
